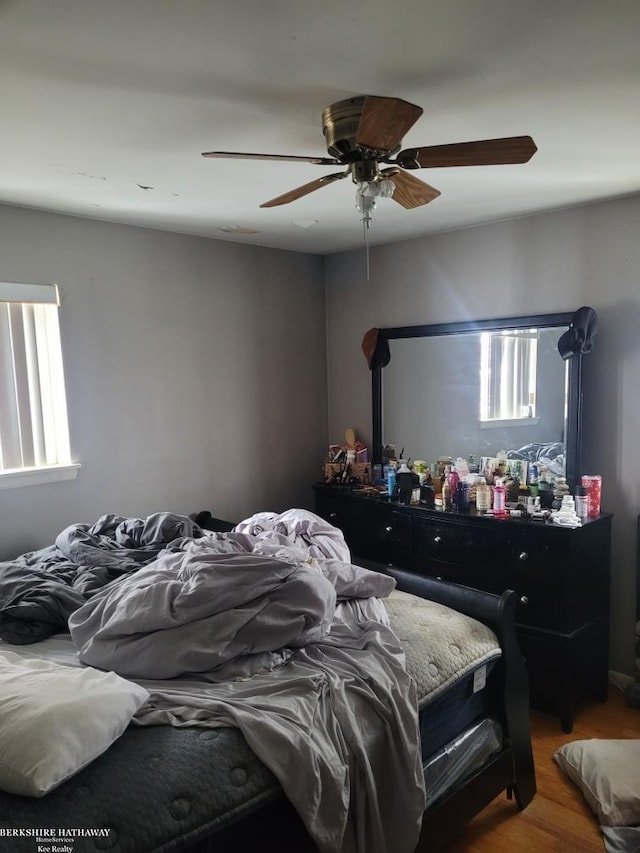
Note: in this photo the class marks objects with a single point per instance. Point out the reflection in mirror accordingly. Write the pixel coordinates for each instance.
(508, 375)
(481, 390)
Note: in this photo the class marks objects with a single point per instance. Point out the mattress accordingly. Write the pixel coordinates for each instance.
(153, 786)
(441, 644)
(451, 657)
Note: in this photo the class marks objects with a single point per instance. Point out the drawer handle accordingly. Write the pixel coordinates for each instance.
(333, 515)
(388, 529)
(524, 599)
(437, 539)
(523, 556)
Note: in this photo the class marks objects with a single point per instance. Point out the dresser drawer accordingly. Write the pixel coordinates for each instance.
(391, 533)
(539, 593)
(434, 568)
(354, 519)
(335, 511)
(441, 540)
(535, 548)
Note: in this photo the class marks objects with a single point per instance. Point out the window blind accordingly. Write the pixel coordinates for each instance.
(34, 429)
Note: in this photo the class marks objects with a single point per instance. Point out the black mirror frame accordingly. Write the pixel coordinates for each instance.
(533, 321)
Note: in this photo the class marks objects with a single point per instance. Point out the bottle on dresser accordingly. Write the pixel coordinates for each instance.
(483, 496)
(582, 503)
(454, 482)
(498, 497)
(390, 477)
(446, 494)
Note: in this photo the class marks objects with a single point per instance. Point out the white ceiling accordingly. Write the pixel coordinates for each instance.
(106, 106)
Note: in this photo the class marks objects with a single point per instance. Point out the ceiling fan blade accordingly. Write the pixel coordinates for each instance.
(237, 155)
(384, 121)
(292, 195)
(486, 152)
(410, 191)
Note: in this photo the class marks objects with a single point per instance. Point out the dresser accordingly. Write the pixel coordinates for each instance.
(561, 577)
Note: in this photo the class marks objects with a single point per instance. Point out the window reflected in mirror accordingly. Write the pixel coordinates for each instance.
(508, 374)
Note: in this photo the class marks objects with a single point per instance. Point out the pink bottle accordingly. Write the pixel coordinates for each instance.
(498, 498)
(454, 480)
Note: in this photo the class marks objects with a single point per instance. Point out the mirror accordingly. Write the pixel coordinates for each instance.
(479, 389)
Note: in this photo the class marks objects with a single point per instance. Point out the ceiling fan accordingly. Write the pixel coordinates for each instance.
(366, 131)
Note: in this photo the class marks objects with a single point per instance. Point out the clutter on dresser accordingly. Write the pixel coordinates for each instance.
(348, 463)
(502, 486)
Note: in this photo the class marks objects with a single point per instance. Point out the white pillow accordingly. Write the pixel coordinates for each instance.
(608, 774)
(56, 719)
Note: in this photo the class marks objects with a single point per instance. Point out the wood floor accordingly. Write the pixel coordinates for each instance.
(558, 818)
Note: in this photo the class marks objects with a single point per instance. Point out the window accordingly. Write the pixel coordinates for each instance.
(508, 375)
(34, 431)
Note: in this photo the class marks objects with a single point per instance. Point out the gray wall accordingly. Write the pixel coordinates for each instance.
(195, 370)
(553, 262)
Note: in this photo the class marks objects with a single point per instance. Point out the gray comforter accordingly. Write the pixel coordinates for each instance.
(41, 589)
(201, 611)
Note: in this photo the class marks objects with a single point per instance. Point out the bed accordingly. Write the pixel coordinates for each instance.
(216, 782)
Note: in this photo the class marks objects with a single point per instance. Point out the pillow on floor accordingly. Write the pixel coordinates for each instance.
(56, 719)
(608, 774)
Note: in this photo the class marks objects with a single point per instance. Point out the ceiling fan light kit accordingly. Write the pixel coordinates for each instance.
(363, 132)
(367, 192)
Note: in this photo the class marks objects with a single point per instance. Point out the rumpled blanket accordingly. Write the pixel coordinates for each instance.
(298, 527)
(41, 589)
(198, 610)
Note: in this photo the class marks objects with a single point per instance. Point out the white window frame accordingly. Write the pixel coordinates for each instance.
(34, 426)
(508, 370)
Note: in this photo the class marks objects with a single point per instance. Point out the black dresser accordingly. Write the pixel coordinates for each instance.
(561, 576)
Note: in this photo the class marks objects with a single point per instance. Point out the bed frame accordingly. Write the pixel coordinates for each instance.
(512, 769)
